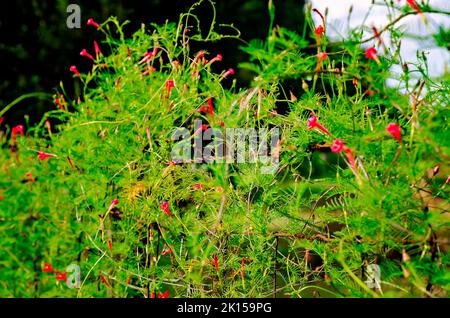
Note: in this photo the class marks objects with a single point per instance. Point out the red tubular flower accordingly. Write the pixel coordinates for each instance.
(200, 55)
(165, 207)
(86, 54)
(110, 247)
(314, 123)
(320, 57)
(166, 294)
(62, 277)
(43, 155)
(216, 262)
(113, 204)
(169, 85)
(229, 72)
(414, 5)
(218, 57)
(48, 268)
(93, 23)
(242, 268)
(394, 130)
(198, 186)
(104, 280)
(166, 251)
(147, 57)
(57, 102)
(73, 69)
(337, 146)
(371, 54)
(203, 109)
(97, 49)
(17, 130)
(210, 107)
(319, 30)
(1, 120)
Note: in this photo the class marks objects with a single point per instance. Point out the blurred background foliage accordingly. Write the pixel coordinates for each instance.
(37, 48)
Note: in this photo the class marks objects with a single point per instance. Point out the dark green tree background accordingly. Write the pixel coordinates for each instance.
(37, 48)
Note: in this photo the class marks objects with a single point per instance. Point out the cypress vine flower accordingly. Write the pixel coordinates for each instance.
(320, 57)
(230, 71)
(165, 207)
(86, 54)
(394, 130)
(314, 123)
(74, 69)
(48, 268)
(43, 155)
(371, 54)
(93, 23)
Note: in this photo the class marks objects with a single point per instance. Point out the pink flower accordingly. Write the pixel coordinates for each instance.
(319, 30)
(93, 23)
(169, 85)
(73, 69)
(43, 155)
(371, 54)
(447, 181)
(113, 204)
(314, 123)
(146, 58)
(17, 130)
(414, 5)
(86, 54)
(394, 130)
(337, 145)
(320, 57)
(200, 55)
(217, 58)
(97, 49)
(165, 207)
(229, 72)
(198, 186)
